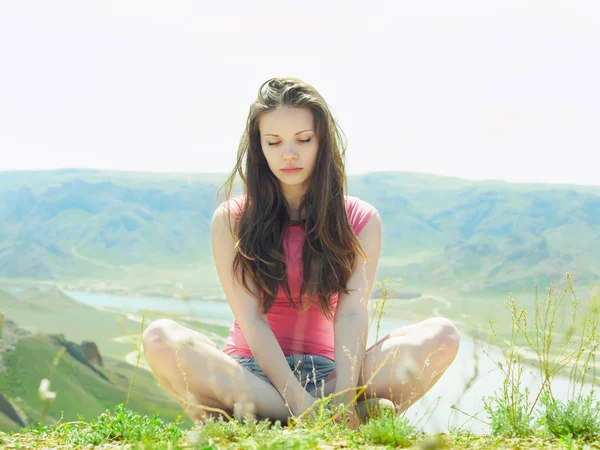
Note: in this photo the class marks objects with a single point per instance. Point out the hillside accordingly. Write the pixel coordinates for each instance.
(49, 311)
(87, 377)
(86, 353)
(82, 388)
(149, 233)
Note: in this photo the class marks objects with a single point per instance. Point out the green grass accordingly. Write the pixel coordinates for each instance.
(119, 427)
(512, 412)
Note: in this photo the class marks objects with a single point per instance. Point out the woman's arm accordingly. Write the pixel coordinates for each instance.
(351, 320)
(247, 310)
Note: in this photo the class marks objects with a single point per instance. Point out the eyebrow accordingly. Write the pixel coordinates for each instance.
(299, 132)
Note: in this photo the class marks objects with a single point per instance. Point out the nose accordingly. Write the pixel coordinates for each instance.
(289, 152)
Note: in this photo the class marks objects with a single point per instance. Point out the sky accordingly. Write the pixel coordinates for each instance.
(503, 90)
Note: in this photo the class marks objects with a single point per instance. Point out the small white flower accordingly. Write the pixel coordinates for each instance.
(194, 436)
(44, 391)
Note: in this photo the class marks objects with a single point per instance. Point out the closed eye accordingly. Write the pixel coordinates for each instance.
(304, 141)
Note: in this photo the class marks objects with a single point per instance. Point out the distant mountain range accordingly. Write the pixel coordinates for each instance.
(136, 229)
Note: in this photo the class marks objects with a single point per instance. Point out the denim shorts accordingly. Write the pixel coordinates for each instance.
(310, 370)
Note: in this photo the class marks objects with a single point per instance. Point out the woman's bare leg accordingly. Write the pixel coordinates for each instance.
(408, 361)
(202, 378)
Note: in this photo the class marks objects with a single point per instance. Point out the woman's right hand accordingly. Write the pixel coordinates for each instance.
(305, 405)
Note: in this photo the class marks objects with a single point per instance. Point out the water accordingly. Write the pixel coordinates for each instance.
(15, 290)
(206, 309)
(432, 413)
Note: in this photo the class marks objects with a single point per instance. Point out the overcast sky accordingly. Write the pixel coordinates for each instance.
(475, 89)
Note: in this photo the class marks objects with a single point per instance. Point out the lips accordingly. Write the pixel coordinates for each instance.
(292, 169)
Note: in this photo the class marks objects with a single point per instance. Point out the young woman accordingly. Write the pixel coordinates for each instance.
(297, 259)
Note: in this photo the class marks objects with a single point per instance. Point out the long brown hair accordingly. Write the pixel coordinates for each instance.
(330, 247)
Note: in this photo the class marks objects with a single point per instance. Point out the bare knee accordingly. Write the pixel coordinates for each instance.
(160, 335)
(168, 344)
(447, 337)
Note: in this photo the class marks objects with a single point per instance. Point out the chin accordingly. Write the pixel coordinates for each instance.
(299, 183)
(303, 182)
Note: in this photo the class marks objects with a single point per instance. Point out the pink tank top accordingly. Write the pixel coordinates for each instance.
(308, 332)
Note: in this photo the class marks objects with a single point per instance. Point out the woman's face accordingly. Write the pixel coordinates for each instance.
(289, 140)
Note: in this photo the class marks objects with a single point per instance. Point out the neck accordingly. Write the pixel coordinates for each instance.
(293, 196)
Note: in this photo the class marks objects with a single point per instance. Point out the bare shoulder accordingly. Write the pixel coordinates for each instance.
(363, 216)
(370, 236)
(225, 216)
(222, 217)
(373, 225)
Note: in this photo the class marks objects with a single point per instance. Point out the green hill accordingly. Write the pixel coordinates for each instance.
(80, 389)
(49, 311)
(39, 333)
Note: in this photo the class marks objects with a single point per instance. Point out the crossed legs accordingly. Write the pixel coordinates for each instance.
(406, 364)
